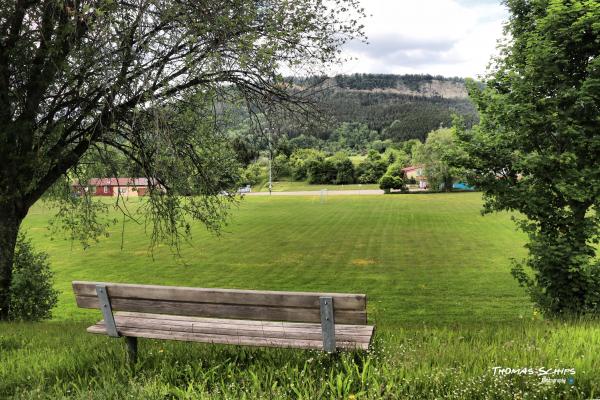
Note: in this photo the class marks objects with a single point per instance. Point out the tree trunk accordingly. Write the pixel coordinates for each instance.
(448, 181)
(10, 221)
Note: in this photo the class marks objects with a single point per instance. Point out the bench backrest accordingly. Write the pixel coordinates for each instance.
(224, 303)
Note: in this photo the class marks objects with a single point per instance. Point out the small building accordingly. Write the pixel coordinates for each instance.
(416, 172)
(126, 187)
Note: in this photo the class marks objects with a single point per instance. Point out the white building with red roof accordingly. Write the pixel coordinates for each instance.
(416, 172)
(126, 187)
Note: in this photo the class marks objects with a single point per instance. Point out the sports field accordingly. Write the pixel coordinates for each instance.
(437, 277)
(417, 257)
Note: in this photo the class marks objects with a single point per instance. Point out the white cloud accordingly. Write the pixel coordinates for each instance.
(445, 37)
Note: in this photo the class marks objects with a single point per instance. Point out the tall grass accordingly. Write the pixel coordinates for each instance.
(59, 360)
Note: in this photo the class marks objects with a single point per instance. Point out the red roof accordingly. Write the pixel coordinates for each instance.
(413, 168)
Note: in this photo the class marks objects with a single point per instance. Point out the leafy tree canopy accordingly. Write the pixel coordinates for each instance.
(437, 155)
(79, 77)
(536, 149)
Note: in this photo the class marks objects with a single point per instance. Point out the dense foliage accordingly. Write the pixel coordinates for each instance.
(32, 295)
(438, 155)
(536, 149)
(314, 166)
(372, 168)
(413, 116)
(94, 76)
(394, 177)
(367, 108)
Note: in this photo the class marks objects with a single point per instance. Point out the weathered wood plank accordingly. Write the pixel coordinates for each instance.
(343, 301)
(242, 333)
(224, 339)
(237, 322)
(224, 310)
(346, 333)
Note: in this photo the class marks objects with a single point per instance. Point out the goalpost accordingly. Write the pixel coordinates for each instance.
(323, 195)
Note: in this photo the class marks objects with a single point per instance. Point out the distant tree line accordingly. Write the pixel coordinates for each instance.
(385, 81)
(383, 164)
(318, 167)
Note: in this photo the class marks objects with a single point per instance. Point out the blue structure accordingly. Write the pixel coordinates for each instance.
(462, 186)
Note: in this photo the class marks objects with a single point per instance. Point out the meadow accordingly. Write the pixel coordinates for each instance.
(437, 277)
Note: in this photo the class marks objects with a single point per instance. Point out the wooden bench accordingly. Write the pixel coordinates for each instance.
(323, 321)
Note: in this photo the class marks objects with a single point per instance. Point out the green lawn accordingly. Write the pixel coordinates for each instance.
(293, 186)
(439, 290)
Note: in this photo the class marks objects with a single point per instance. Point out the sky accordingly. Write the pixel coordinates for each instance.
(437, 37)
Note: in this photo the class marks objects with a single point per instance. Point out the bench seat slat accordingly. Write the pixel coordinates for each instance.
(272, 337)
(236, 340)
(266, 313)
(343, 301)
(219, 320)
(242, 324)
(350, 333)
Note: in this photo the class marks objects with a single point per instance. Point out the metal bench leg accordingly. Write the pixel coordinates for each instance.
(132, 347)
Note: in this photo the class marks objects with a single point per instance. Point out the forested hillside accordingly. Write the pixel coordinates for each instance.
(414, 104)
(376, 126)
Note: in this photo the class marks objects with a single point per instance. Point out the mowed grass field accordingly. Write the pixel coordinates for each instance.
(418, 258)
(437, 277)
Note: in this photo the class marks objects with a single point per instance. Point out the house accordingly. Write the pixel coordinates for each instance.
(126, 187)
(416, 172)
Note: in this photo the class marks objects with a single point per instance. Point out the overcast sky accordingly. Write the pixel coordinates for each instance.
(438, 37)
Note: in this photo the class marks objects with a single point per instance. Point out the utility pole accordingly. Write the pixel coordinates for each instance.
(270, 164)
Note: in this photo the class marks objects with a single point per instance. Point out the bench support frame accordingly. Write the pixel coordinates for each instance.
(327, 323)
(111, 326)
(109, 319)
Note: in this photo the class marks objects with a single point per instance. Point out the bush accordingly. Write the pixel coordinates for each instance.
(299, 161)
(32, 296)
(313, 166)
(320, 171)
(396, 169)
(344, 169)
(394, 178)
(281, 167)
(252, 175)
(380, 146)
(388, 182)
(371, 169)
